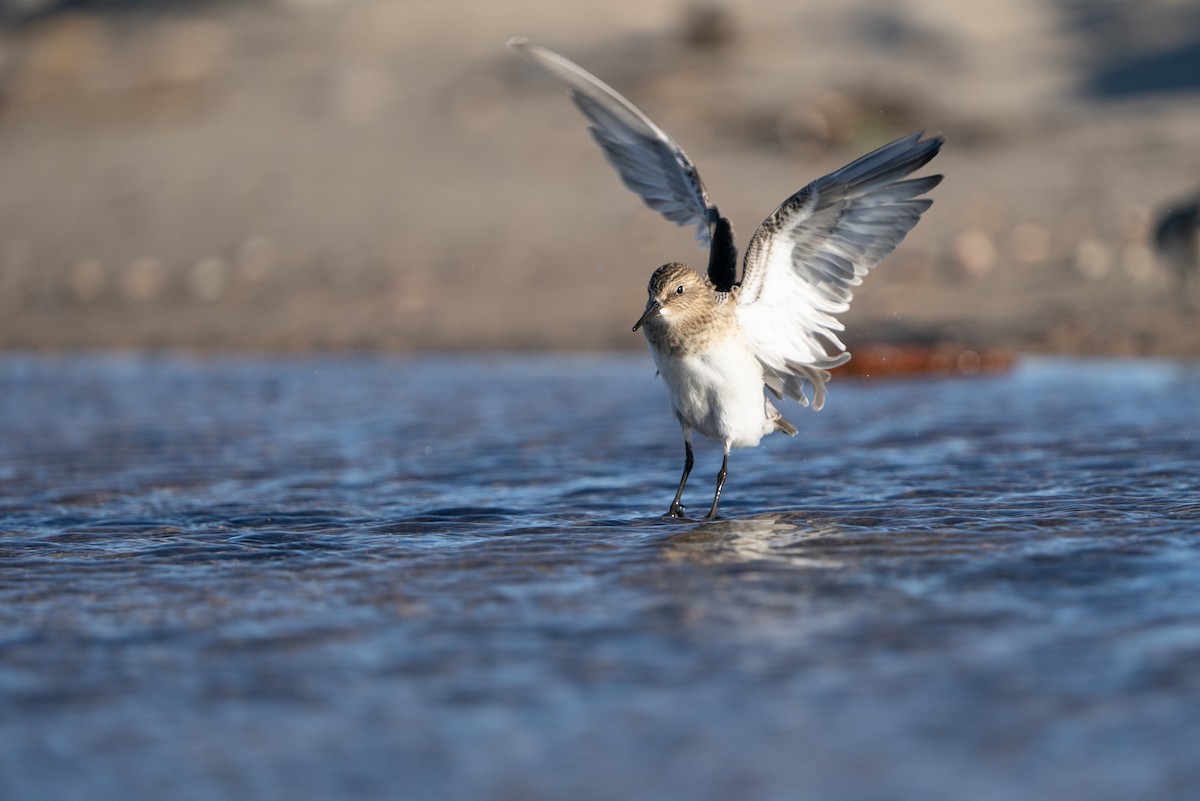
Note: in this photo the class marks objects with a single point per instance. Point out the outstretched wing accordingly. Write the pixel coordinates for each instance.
(649, 161)
(807, 256)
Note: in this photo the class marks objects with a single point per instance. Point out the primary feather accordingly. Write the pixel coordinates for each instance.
(647, 159)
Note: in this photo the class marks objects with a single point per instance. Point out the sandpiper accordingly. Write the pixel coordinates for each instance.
(1177, 240)
(718, 342)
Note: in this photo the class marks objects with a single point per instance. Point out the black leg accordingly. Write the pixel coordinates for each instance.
(676, 509)
(712, 513)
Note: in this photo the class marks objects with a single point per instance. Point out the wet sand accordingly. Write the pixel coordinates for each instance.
(376, 175)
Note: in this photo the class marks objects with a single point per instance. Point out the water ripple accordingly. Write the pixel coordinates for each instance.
(333, 577)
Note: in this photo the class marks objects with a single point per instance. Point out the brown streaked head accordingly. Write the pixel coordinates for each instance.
(677, 293)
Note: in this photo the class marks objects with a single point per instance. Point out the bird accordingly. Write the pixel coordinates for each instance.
(722, 344)
(1177, 240)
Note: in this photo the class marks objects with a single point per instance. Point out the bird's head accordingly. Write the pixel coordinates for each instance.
(677, 294)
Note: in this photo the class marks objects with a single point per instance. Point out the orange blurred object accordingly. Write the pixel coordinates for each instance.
(943, 359)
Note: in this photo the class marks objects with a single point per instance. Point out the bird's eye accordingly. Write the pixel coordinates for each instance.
(679, 289)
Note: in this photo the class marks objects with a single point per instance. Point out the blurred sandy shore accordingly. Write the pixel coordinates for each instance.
(385, 175)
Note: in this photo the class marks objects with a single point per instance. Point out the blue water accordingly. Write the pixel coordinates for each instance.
(376, 577)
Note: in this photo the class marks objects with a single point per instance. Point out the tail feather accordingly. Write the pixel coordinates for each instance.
(780, 423)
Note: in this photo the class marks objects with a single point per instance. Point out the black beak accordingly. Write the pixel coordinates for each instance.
(652, 309)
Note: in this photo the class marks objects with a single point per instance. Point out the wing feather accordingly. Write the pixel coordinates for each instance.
(805, 259)
(649, 161)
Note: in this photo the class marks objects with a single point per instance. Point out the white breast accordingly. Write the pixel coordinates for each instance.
(718, 391)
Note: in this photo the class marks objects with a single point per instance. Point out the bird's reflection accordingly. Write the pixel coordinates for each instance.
(771, 536)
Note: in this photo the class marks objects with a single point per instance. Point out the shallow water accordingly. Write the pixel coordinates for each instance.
(447, 578)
